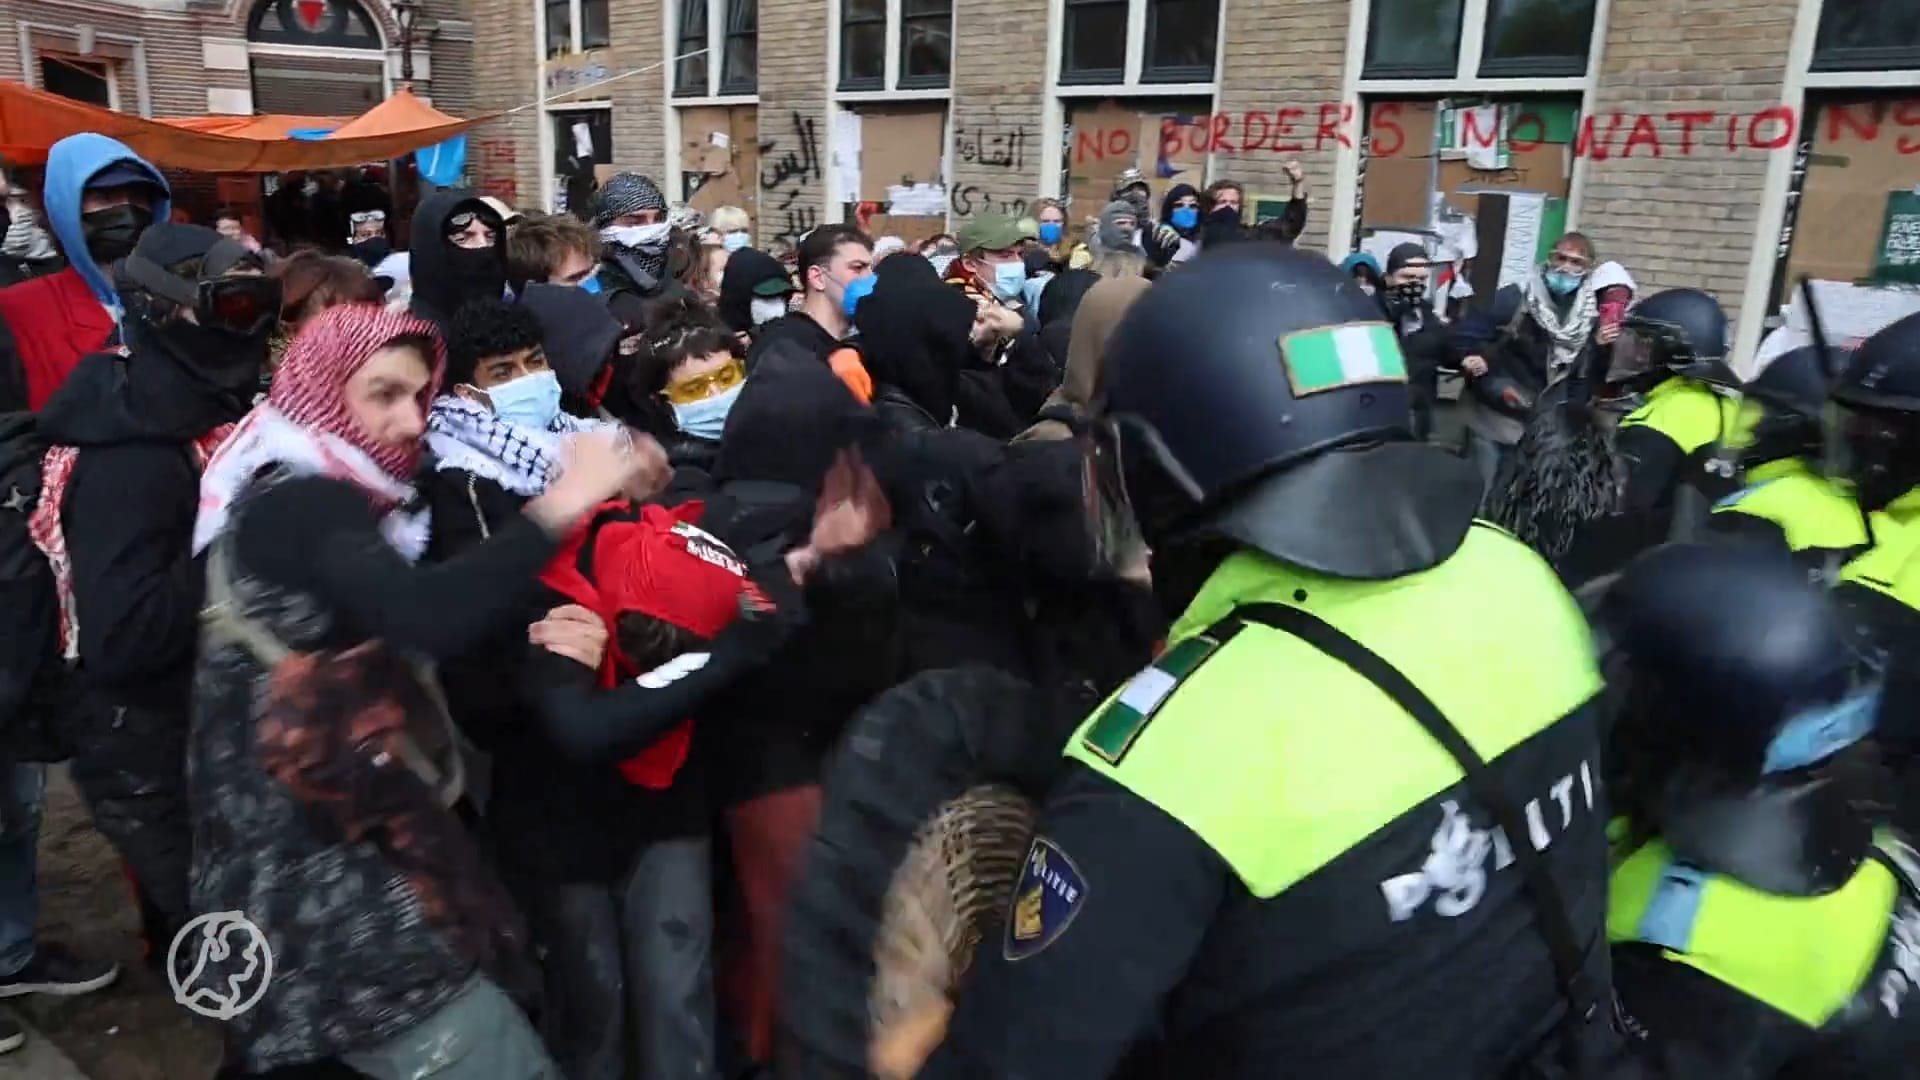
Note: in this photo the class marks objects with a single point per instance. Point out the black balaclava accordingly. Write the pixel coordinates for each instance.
(225, 363)
(915, 337)
(1401, 298)
(1131, 188)
(445, 275)
(629, 193)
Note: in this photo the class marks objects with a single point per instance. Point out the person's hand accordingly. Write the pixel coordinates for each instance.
(1295, 173)
(1609, 333)
(900, 1052)
(654, 471)
(1475, 365)
(851, 511)
(595, 467)
(1000, 321)
(574, 632)
(251, 243)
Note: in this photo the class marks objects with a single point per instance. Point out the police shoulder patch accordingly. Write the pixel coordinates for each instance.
(1049, 894)
(1121, 720)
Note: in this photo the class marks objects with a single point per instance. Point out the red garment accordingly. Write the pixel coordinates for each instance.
(660, 565)
(55, 320)
(768, 837)
(309, 386)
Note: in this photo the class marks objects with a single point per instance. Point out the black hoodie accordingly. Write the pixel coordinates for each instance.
(128, 515)
(746, 268)
(445, 276)
(579, 336)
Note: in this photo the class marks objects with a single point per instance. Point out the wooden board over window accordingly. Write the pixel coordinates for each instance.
(901, 145)
(720, 157)
(1864, 153)
(1166, 139)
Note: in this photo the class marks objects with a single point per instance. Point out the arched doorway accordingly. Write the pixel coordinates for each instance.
(316, 57)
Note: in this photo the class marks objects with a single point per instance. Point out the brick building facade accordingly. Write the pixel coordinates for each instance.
(1731, 144)
(162, 58)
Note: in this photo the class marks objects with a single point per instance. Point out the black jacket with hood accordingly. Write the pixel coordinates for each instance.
(746, 269)
(444, 275)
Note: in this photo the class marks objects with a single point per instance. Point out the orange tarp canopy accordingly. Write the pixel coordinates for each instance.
(32, 120)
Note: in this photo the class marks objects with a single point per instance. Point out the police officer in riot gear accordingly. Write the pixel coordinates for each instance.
(1308, 840)
(1674, 345)
(1761, 928)
(1789, 500)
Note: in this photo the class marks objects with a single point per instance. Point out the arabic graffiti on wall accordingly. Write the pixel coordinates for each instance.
(789, 164)
(995, 150)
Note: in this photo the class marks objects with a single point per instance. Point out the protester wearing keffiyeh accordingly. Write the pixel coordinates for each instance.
(618, 209)
(466, 436)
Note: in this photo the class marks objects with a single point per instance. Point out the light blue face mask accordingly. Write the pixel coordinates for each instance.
(734, 241)
(1009, 279)
(707, 418)
(1050, 233)
(857, 289)
(530, 401)
(1185, 217)
(591, 282)
(1560, 283)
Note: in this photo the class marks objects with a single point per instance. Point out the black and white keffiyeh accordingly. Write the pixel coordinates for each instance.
(467, 436)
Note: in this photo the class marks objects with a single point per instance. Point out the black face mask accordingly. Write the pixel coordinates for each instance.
(111, 232)
(372, 250)
(476, 272)
(1407, 295)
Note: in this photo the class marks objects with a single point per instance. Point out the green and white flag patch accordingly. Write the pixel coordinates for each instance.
(1114, 730)
(1341, 356)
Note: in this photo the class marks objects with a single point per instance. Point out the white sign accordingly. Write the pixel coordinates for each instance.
(231, 968)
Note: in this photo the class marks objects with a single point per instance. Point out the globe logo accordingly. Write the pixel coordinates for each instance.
(230, 967)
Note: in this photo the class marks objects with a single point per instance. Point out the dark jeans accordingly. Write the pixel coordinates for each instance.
(1488, 457)
(629, 968)
(131, 767)
(23, 789)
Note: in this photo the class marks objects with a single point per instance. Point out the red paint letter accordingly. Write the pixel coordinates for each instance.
(1781, 113)
(1172, 139)
(1283, 126)
(1329, 129)
(1588, 144)
(1520, 144)
(1906, 114)
(1687, 120)
(1086, 146)
(1845, 116)
(1218, 138)
(1119, 142)
(1247, 140)
(1387, 137)
(1642, 134)
(1470, 130)
(1733, 127)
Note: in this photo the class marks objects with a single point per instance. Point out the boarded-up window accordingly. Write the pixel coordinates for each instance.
(1166, 139)
(1858, 212)
(720, 158)
(893, 160)
(1504, 165)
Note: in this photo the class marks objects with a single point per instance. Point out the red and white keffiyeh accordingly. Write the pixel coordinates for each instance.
(305, 425)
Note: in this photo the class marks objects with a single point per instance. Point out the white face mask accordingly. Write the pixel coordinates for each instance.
(637, 236)
(765, 309)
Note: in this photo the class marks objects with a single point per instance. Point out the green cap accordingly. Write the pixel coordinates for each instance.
(773, 286)
(991, 232)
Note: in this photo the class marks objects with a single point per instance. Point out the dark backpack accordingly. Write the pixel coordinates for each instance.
(35, 688)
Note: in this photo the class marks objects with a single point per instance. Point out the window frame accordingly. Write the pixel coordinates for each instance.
(893, 77)
(719, 15)
(1369, 70)
(1470, 73)
(1138, 75)
(109, 73)
(1845, 61)
(576, 27)
(732, 83)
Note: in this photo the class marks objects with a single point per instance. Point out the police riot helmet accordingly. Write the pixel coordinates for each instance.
(1738, 684)
(1791, 392)
(1257, 397)
(1879, 422)
(1679, 331)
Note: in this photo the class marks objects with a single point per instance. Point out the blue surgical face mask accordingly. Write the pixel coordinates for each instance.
(707, 418)
(1050, 232)
(1009, 279)
(530, 401)
(591, 282)
(856, 290)
(1185, 217)
(734, 241)
(1560, 283)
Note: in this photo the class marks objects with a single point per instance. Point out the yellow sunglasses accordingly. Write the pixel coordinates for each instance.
(701, 387)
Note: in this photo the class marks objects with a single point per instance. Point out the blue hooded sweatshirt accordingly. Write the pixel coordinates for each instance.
(70, 164)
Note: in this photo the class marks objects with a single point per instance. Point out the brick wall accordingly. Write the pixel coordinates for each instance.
(999, 90)
(503, 154)
(639, 117)
(1674, 218)
(793, 122)
(1279, 55)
